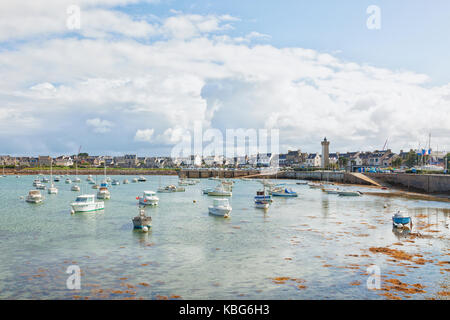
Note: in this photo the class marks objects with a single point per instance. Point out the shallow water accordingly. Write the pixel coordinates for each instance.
(321, 241)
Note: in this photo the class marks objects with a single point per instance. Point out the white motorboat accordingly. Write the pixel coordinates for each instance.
(126, 181)
(171, 188)
(86, 203)
(95, 186)
(207, 190)
(34, 196)
(36, 182)
(68, 181)
(349, 193)
(75, 187)
(103, 192)
(41, 186)
(89, 178)
(115, 182)
(142, 179)
(330, 190)
(45, 180)
(142, 220)
(221, 208)
(57, 179)
(77, 180)
(148, 198)
(315, 185)
(220, 191)
(52, 189)
(135, 180)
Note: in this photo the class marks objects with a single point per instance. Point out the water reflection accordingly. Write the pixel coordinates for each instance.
(401, 233)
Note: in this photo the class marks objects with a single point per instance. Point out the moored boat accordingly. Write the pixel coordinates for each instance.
(171, 188)
(126, 181)
(349, 193)
(284, 192)
(142, 220)
(142, 179)
(220, 191)
(400, 219)
(330, 190)
(103, 192)
(52, 189)
(75, 187)
(34, 196)
(86, 203)
(221, 208)
(148, 198)
(115, 182)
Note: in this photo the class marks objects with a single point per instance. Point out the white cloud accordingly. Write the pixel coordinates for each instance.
(99, 125)
(144, 135)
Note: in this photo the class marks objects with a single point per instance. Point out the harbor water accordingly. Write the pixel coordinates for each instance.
(315, 246)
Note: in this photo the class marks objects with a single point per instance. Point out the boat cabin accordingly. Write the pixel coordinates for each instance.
(85, 198)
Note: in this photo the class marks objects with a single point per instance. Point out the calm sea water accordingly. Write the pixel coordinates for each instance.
(318, 238)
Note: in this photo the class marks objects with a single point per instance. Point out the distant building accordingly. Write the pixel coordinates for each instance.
(64, 161)
(313, 160)
(45, 161)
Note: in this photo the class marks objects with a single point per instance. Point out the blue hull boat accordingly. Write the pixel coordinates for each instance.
(401, 220)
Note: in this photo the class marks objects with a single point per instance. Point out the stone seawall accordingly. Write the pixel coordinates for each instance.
(430, 183)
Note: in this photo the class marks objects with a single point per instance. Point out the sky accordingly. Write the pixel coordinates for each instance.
(137, 75)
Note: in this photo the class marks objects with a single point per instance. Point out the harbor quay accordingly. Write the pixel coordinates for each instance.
(422, 183)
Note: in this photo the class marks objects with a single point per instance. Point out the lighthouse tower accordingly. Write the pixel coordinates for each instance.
(325, 153)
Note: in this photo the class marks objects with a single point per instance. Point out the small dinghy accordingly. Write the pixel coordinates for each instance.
(142, 221)
(400, 219)
(284, 192)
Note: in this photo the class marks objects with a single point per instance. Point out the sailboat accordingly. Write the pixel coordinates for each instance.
(76, 180)
(103, 192)
(52, 189)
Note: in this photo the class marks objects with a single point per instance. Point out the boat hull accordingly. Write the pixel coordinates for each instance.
(220, 211)
(90, 207)
(148, 202)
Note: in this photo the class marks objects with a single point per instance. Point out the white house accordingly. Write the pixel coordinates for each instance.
(313, 160)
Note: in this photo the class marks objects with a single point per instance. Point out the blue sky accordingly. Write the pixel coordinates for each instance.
(414, 33)
(139, 74)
